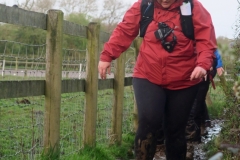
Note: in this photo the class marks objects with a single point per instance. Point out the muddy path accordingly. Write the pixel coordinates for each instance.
(199, 153)
(213, 130)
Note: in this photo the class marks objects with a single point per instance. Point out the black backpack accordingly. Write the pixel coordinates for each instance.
(147, 10)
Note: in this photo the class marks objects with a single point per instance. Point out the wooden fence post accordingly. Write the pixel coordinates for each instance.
(53, 82)
(16, 63)
(26, 68)
(118, 92)
(91, 84)
(3, 67)
(137, 42)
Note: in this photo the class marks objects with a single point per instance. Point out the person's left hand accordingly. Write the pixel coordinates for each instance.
(220, 71)
(197, 73)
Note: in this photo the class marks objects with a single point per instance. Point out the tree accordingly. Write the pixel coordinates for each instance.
(87, 7)
(78, 18)
(44, 5)
(112, 13)
(38, 6)
(73, 41)
(27, 5)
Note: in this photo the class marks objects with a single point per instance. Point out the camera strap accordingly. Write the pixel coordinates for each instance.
(162, 33)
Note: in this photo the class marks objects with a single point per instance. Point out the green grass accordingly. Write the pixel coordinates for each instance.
(21, 127)
(216, 109)
(213, 147)
(72, 108)
(210, 148)
(225, 108)
(106, 152)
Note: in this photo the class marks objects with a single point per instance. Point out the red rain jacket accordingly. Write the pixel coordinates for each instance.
(170, 70)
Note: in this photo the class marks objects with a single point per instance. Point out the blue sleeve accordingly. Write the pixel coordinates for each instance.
(219, 59)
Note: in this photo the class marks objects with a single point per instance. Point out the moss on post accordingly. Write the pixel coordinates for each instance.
(91, 89)
(118, 90)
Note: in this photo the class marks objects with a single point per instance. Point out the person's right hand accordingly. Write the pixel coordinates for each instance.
(198, 72)
(103, 69)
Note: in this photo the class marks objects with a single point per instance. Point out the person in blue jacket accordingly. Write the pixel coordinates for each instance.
(219, 65)
(199, 113)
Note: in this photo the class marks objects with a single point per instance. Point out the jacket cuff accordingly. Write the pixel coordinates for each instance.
(105, 58)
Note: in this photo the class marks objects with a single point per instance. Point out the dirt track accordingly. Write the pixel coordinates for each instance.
(199, 154)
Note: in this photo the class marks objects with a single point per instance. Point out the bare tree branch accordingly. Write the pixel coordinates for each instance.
(69, 5)
(82, 6)
(37, 5)
(44, 5)
(112, 13)
(27, 5)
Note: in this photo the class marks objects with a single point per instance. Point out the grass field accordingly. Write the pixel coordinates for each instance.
(22, 124)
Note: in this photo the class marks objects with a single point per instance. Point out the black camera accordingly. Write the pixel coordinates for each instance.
(162, 33)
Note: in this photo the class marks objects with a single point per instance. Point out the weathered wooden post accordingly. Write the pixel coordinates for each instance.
(53, 82)
(26, 68)
(118, 93)
(137, 42)
(3, 67)
(91, 80)
(16, 63)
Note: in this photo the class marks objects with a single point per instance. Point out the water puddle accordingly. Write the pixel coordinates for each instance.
(213, 130)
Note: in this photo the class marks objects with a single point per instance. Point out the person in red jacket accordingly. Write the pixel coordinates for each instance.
(166, 74)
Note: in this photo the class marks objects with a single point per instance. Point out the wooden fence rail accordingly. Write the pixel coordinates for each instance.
(54, 86)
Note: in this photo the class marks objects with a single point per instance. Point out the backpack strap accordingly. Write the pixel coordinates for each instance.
(147, 10)
(211, 80)
(187, 23)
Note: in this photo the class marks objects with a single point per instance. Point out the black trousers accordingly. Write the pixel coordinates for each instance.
(158, 109)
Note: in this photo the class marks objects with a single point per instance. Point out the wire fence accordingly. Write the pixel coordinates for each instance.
(21, 128)
(26, 61)
(22, 119)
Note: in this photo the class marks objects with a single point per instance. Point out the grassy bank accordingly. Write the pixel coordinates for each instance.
(227, 109)
(107, 152)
